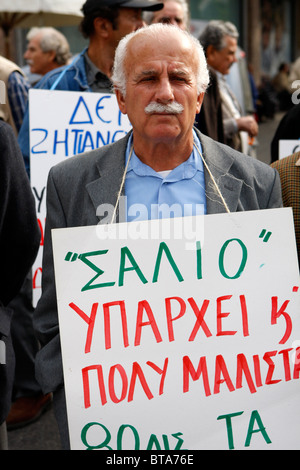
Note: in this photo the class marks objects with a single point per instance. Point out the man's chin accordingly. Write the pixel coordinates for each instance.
(165, 133)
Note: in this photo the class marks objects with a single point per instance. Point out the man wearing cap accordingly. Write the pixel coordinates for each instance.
(160, 77)
(104, 24)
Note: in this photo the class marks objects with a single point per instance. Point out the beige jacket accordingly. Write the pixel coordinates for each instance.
(6, 69)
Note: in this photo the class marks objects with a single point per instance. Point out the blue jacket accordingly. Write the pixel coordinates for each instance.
(72, 78)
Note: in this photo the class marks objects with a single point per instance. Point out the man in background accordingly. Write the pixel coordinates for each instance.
(47, 49)
(219, 40)
(174, 12)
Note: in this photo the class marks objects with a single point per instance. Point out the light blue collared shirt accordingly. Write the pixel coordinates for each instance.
(152, 195)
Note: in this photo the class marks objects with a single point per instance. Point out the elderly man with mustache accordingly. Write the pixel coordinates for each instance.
(160, 77)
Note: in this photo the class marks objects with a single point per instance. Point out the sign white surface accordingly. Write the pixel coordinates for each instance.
(288, 147)
(64, 124)
(168, 344)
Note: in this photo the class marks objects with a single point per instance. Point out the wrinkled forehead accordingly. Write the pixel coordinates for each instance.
(171, 47)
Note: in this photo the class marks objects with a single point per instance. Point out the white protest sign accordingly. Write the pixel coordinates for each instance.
(288, 147)
(169, 344)
(64, 124)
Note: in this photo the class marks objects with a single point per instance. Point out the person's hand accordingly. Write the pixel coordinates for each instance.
(248, 124)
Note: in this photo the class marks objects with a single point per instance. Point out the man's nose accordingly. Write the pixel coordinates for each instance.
(164, 93)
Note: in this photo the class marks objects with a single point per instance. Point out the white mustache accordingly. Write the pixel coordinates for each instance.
(171, 108)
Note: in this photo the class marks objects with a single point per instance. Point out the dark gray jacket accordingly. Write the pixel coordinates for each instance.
(19, 243)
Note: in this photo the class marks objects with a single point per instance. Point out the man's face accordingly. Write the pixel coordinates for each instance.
(222, 60)
(162, 71)
(171, 14)
(40, 62)
(129, 20)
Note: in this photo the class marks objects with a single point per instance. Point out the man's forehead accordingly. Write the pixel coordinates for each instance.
(172, 43)
(164, 50)
(230, 42)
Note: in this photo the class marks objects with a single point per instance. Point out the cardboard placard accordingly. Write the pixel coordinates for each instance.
(64, 124)
(181, 333)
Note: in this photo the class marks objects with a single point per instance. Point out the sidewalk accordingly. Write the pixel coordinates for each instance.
(41, 435)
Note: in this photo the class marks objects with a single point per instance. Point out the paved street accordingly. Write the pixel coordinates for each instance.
(43, 434)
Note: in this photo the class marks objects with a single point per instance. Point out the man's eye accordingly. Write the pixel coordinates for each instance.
(148, 79)
(178, 78)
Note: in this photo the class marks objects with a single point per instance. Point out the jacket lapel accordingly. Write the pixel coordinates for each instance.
(219, 162)
(104, 190)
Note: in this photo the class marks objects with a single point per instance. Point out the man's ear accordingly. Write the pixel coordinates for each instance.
(102, 26)
(210, 50)
(121, 101)
(200, 99)
(51, 56)
(212, 56)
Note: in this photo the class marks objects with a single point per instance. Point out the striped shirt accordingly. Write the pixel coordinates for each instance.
(17, 90)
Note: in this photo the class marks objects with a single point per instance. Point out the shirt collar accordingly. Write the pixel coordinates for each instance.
(185, 170)
(222, 81)
(94, 75)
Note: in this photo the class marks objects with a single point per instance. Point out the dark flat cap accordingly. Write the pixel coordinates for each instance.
(91, 6)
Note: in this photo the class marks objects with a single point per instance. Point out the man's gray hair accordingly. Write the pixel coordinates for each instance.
(149, 15)
(156, 31)
(215, 32)
(52, 40)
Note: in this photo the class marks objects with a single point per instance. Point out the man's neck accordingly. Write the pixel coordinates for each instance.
(101, 58)
(163, 156)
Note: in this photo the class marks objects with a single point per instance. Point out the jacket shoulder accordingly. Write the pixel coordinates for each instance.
(224, 157)
(67, 74)
(287, 162)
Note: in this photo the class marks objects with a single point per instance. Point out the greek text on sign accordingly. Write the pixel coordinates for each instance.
(171, 345)
(64, 124)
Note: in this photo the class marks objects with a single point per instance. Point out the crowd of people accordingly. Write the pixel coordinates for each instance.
(142, 51)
